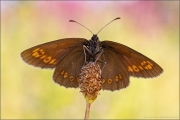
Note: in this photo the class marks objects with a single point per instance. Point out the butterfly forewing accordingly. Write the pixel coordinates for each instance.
(48, 55)
(114, 74)
(136, 63)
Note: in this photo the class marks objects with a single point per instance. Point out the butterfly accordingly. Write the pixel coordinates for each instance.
(117, 61)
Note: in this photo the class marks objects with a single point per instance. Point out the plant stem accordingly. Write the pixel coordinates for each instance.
(88, 105)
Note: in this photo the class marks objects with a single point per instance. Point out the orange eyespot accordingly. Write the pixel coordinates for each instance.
(52, 61)
(135, 68)
(78, 80)
(130, 69)
(141, 68)
(150, 63)
(36, 54)
(147, 65)
(116, 78)
(103, 81)
(109, 81)
(46, 60)
(65, 75)
(120, 76)
(71, 78)
(62, 72)
(36, 50)
(44, 56)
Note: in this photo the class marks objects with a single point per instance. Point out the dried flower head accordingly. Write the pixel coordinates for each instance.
(90, 81)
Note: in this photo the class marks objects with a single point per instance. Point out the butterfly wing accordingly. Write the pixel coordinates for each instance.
(114, 74)
(68, 70)
(122, 62)
(136, 63)
(48, 55)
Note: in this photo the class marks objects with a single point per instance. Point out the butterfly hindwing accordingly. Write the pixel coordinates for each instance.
(136, 63)
(48, 55)
(114, 74)
(68, 70)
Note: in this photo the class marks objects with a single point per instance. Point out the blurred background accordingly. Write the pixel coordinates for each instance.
(149, 27)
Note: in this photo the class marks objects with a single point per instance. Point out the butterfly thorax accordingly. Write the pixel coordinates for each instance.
(94, 47)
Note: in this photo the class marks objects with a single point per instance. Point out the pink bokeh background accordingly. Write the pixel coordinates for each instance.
(150, 27)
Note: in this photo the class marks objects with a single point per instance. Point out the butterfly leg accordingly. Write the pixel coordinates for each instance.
(85, 48)
(99, 54)
(104, 64)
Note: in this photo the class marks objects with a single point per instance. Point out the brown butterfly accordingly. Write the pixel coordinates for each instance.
(68, 55)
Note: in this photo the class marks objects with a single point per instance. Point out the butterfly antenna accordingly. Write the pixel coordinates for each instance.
(81, 25)
(109, 23)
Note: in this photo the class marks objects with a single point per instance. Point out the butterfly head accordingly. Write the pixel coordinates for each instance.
(95, 38)
(95, 43)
